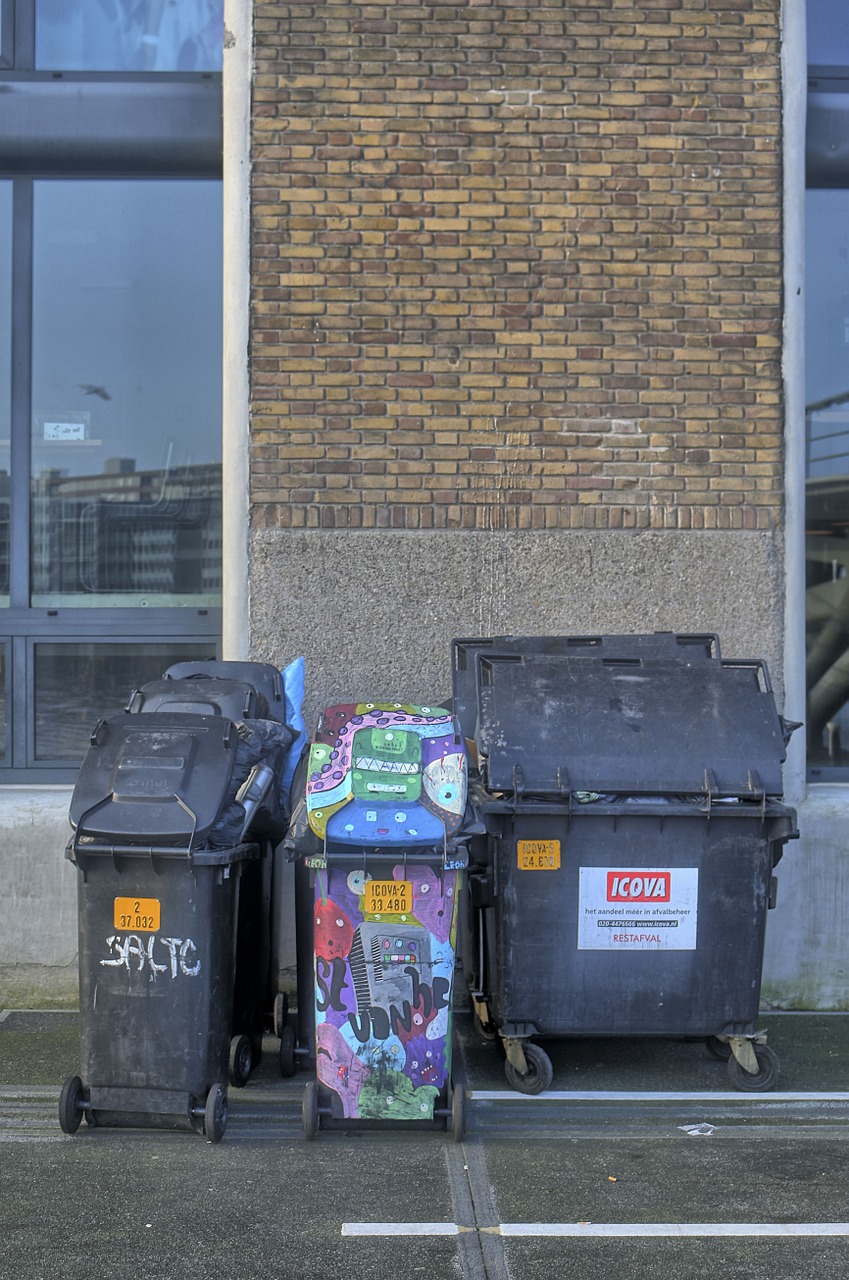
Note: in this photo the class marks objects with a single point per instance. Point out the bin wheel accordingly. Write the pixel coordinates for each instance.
(539, 1074)
(287, 1051)
(280, 1013)
(215, 1114)
(458, 1113)
(766, 1077)
(717, 1048)
(241, 1061)
(70, 1105)
(486, 1032)
(309, 1111)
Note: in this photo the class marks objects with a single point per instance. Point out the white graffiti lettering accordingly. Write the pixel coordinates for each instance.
(134, 953)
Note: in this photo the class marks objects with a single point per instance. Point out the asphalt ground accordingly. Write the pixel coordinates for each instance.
(640, 1161)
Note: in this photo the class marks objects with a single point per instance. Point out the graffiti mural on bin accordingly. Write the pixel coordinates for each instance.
(384, 968)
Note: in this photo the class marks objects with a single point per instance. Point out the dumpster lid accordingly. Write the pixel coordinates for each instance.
(154, 780)
(637, 725)
(682, 646)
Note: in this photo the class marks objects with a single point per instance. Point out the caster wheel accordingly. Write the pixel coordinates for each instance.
(309, 1111)
(287, 1052)
(717, 1048)
(539, 1074)
(241, 1061)
(280, 1013)
(70, 1105)
(767, 1074)
(215, 1114)
(458, 1113)
(485, 1031)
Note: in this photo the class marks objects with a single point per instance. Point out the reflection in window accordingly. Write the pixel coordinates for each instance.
(126, 433)
(827, 443)
(129, 35)
(828, 33)
(5, 379)
(78, 684)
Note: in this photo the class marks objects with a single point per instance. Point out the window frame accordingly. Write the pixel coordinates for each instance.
(126, 125)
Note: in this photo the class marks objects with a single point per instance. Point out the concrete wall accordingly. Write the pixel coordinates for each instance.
(38, 903)
(374, 613)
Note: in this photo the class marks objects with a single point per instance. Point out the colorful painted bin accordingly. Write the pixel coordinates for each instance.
(386, 796)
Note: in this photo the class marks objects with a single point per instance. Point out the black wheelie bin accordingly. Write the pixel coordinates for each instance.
(269, 684)
(261, 754)
(158, 888)
(631, 794)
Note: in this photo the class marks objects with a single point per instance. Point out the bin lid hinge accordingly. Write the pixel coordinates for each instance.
(758, 791)
(711, 790)
(564, 787)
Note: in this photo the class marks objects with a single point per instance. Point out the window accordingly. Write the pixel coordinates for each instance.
(123, 35)
(110, 363)
(827, 392)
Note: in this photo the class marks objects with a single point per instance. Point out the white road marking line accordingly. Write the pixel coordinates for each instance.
(600, 1095)
(674, 1229)
(597, 1229)
(402, 1229)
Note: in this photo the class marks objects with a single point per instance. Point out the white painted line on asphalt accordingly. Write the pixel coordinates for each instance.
(600, 1095)
(673, 1229)
(402, 1229)
(597, 1229)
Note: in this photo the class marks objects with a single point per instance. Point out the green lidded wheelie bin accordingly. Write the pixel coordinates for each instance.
(158, 910)
(631, 792)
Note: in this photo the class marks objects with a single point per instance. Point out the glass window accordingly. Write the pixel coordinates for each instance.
(126, 394)
(78, 684)
(5, 380)
(827, 440)
(129, 35)
(828, 33)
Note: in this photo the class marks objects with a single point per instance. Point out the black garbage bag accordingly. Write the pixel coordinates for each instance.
(261, 752)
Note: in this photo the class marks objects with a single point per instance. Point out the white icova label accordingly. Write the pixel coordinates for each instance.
(638, 909)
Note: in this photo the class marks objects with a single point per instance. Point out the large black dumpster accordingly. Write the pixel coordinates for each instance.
(631, 798)
(377, 833)
(158, 911)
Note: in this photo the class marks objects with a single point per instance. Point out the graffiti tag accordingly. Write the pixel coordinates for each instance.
(177, 956)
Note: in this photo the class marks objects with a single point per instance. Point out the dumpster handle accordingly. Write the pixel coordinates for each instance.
(194, 818)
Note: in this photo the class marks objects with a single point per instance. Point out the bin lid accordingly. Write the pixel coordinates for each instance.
(642, 725)
(154, 780)
(686, 647)
(386, 774)
(262, 676)
(204, 696)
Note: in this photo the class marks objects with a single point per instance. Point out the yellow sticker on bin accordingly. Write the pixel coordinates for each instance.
(388, 897)
(538, 855)
(137, 915)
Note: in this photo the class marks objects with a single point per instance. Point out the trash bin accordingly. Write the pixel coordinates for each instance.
(269, 684)
(633, 815)
(158, 917)
(378, 831)
(260, 757)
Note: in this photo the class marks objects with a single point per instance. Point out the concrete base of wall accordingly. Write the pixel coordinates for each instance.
(806, 964)
(374, 612)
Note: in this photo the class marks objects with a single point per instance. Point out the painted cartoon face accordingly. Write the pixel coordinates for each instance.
(357, 882)
(387, 763)
(445, 783)
(333, 931)
(433, 899)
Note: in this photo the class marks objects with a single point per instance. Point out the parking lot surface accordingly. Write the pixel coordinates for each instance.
(640, 1160)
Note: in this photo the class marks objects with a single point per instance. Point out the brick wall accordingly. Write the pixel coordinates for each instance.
(516, 266)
